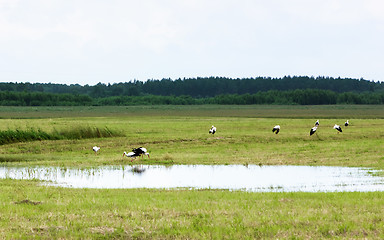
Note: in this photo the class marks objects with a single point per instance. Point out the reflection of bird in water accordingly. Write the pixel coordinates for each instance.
(138, 169)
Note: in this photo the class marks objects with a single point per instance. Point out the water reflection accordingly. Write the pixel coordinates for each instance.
(234, 177)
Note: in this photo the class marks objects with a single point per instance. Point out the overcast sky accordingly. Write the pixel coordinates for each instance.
(109, 41)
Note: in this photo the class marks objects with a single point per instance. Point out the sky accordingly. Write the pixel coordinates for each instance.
(91, 41)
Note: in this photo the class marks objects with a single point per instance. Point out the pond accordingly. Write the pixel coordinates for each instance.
(253, 178)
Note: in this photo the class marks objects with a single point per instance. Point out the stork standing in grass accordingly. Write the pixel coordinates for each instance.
(313, 130)
(346, 123)
(131, 155)
(96, 149)
(317, 123)
(141, 151)
(276, 129)
(212, 130)
(338, 128)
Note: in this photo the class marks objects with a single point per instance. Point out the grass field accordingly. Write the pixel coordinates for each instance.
(179, 135)
(243, 137)
(264, 111)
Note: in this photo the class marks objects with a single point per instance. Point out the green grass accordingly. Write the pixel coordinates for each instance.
(32, 211)
(274, 111)
(185, 140)
(179, 135)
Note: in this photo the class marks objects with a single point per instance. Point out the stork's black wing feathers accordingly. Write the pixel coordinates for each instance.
(276, 130)
(312, 132)
(138, 150)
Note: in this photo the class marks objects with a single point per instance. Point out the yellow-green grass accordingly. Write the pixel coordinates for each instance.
(185, 140)
(30, 211)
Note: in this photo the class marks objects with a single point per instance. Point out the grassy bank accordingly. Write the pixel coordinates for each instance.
(31, 211)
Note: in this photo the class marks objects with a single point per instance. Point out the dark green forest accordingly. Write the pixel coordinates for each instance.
(213, 90)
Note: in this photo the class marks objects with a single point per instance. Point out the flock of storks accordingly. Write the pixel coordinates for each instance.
(141, 151)
(276, 129)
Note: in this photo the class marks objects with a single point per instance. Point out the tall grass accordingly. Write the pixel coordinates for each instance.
(87, 132)
(14, 136)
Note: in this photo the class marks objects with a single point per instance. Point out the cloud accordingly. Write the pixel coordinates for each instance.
(120, 40)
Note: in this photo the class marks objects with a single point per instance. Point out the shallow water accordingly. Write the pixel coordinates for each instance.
(233, 177)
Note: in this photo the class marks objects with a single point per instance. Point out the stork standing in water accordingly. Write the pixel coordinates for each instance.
(276, 129)
(141, 151)
(346, 123)
(212, 130)
(313, 130)
(317, 123)
(338, 128)
(96, 149)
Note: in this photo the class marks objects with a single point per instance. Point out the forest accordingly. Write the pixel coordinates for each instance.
(299, 90)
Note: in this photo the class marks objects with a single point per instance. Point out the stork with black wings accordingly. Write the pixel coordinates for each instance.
(140, 151)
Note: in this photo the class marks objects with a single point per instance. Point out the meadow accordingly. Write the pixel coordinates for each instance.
(179, 135)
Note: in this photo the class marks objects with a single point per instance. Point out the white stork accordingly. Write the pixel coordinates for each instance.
(141, 151)
(313, 130)
(276, 129)
(317, 123)
(96, 149)
(131, 155)
(212, 130)
(338, 128)
(346, 123)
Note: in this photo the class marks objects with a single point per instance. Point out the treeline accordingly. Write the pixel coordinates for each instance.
(200, 87)
(43, 99)
(300, 97)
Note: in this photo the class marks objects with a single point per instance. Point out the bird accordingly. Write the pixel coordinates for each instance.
(346, 123)
(141, 151)
(96, 149)
(132, 155)
(276, 129)
(338, 128)
(317, 123)
(313, 130)
(212, 130)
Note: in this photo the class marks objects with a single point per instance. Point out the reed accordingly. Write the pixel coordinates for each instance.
(18, 135)
(87, 132)
(13, 136)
